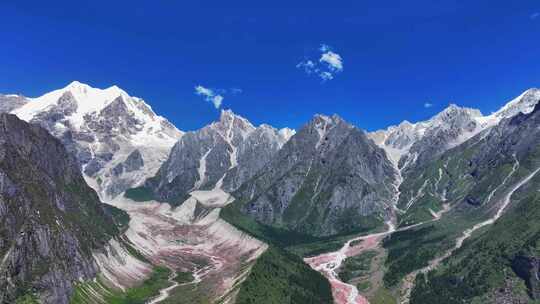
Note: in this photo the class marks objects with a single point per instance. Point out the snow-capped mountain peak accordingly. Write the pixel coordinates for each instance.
(117, 138)
(448, 128)
(88, 100)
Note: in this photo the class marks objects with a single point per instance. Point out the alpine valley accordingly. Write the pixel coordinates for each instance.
(104, 201)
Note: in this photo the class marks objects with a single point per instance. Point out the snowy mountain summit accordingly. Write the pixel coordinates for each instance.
(118, 139)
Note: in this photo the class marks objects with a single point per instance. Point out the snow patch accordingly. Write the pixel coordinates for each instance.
(202, 170)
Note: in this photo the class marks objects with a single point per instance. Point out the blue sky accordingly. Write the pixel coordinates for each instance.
(396, 56)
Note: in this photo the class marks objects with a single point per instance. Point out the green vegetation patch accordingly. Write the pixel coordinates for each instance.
(409, 250)
(277, 236)
(364, 286)
(279, 277)
(318, 247)
(120, 217)
(383, 296)
(183, 277)
(27, 299)
(486, 262)
(140, 194)
(357, 266)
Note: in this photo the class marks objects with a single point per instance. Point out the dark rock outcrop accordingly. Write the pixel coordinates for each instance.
(50, 220)
(528, 268)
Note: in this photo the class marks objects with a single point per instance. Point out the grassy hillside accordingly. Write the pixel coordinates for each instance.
(488, 265)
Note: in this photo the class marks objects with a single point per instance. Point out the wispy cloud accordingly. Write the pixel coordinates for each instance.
(535, 15)
(236, 91)
(326, 76)
(428, 105)
(216, 96)
(329, 64)
(325, 48)
(209, 95)
(308, 66)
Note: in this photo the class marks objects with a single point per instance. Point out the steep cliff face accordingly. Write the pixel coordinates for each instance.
(223, 154)
(328, 178)
(103, 128)
(50, 220)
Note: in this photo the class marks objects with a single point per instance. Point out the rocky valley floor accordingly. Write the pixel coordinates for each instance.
(192, 239)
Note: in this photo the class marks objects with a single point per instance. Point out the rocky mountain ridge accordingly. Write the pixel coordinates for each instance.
(325, 178)
(411, 143)
(223, 154)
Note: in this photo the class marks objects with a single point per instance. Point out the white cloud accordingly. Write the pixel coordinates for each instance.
(326, 67)
(200, 90)
(535, 15)
(428, 105)
(326, 76)
(209, 95)
(217, 100)
(334, 61)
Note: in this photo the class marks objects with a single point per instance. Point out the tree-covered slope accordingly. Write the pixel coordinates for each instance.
(279, 277)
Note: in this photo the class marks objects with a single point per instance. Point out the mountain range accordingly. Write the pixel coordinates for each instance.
(104, 201)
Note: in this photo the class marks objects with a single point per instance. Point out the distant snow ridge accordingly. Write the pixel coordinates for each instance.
(118, 139)
(408, 144)
(524, 103)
